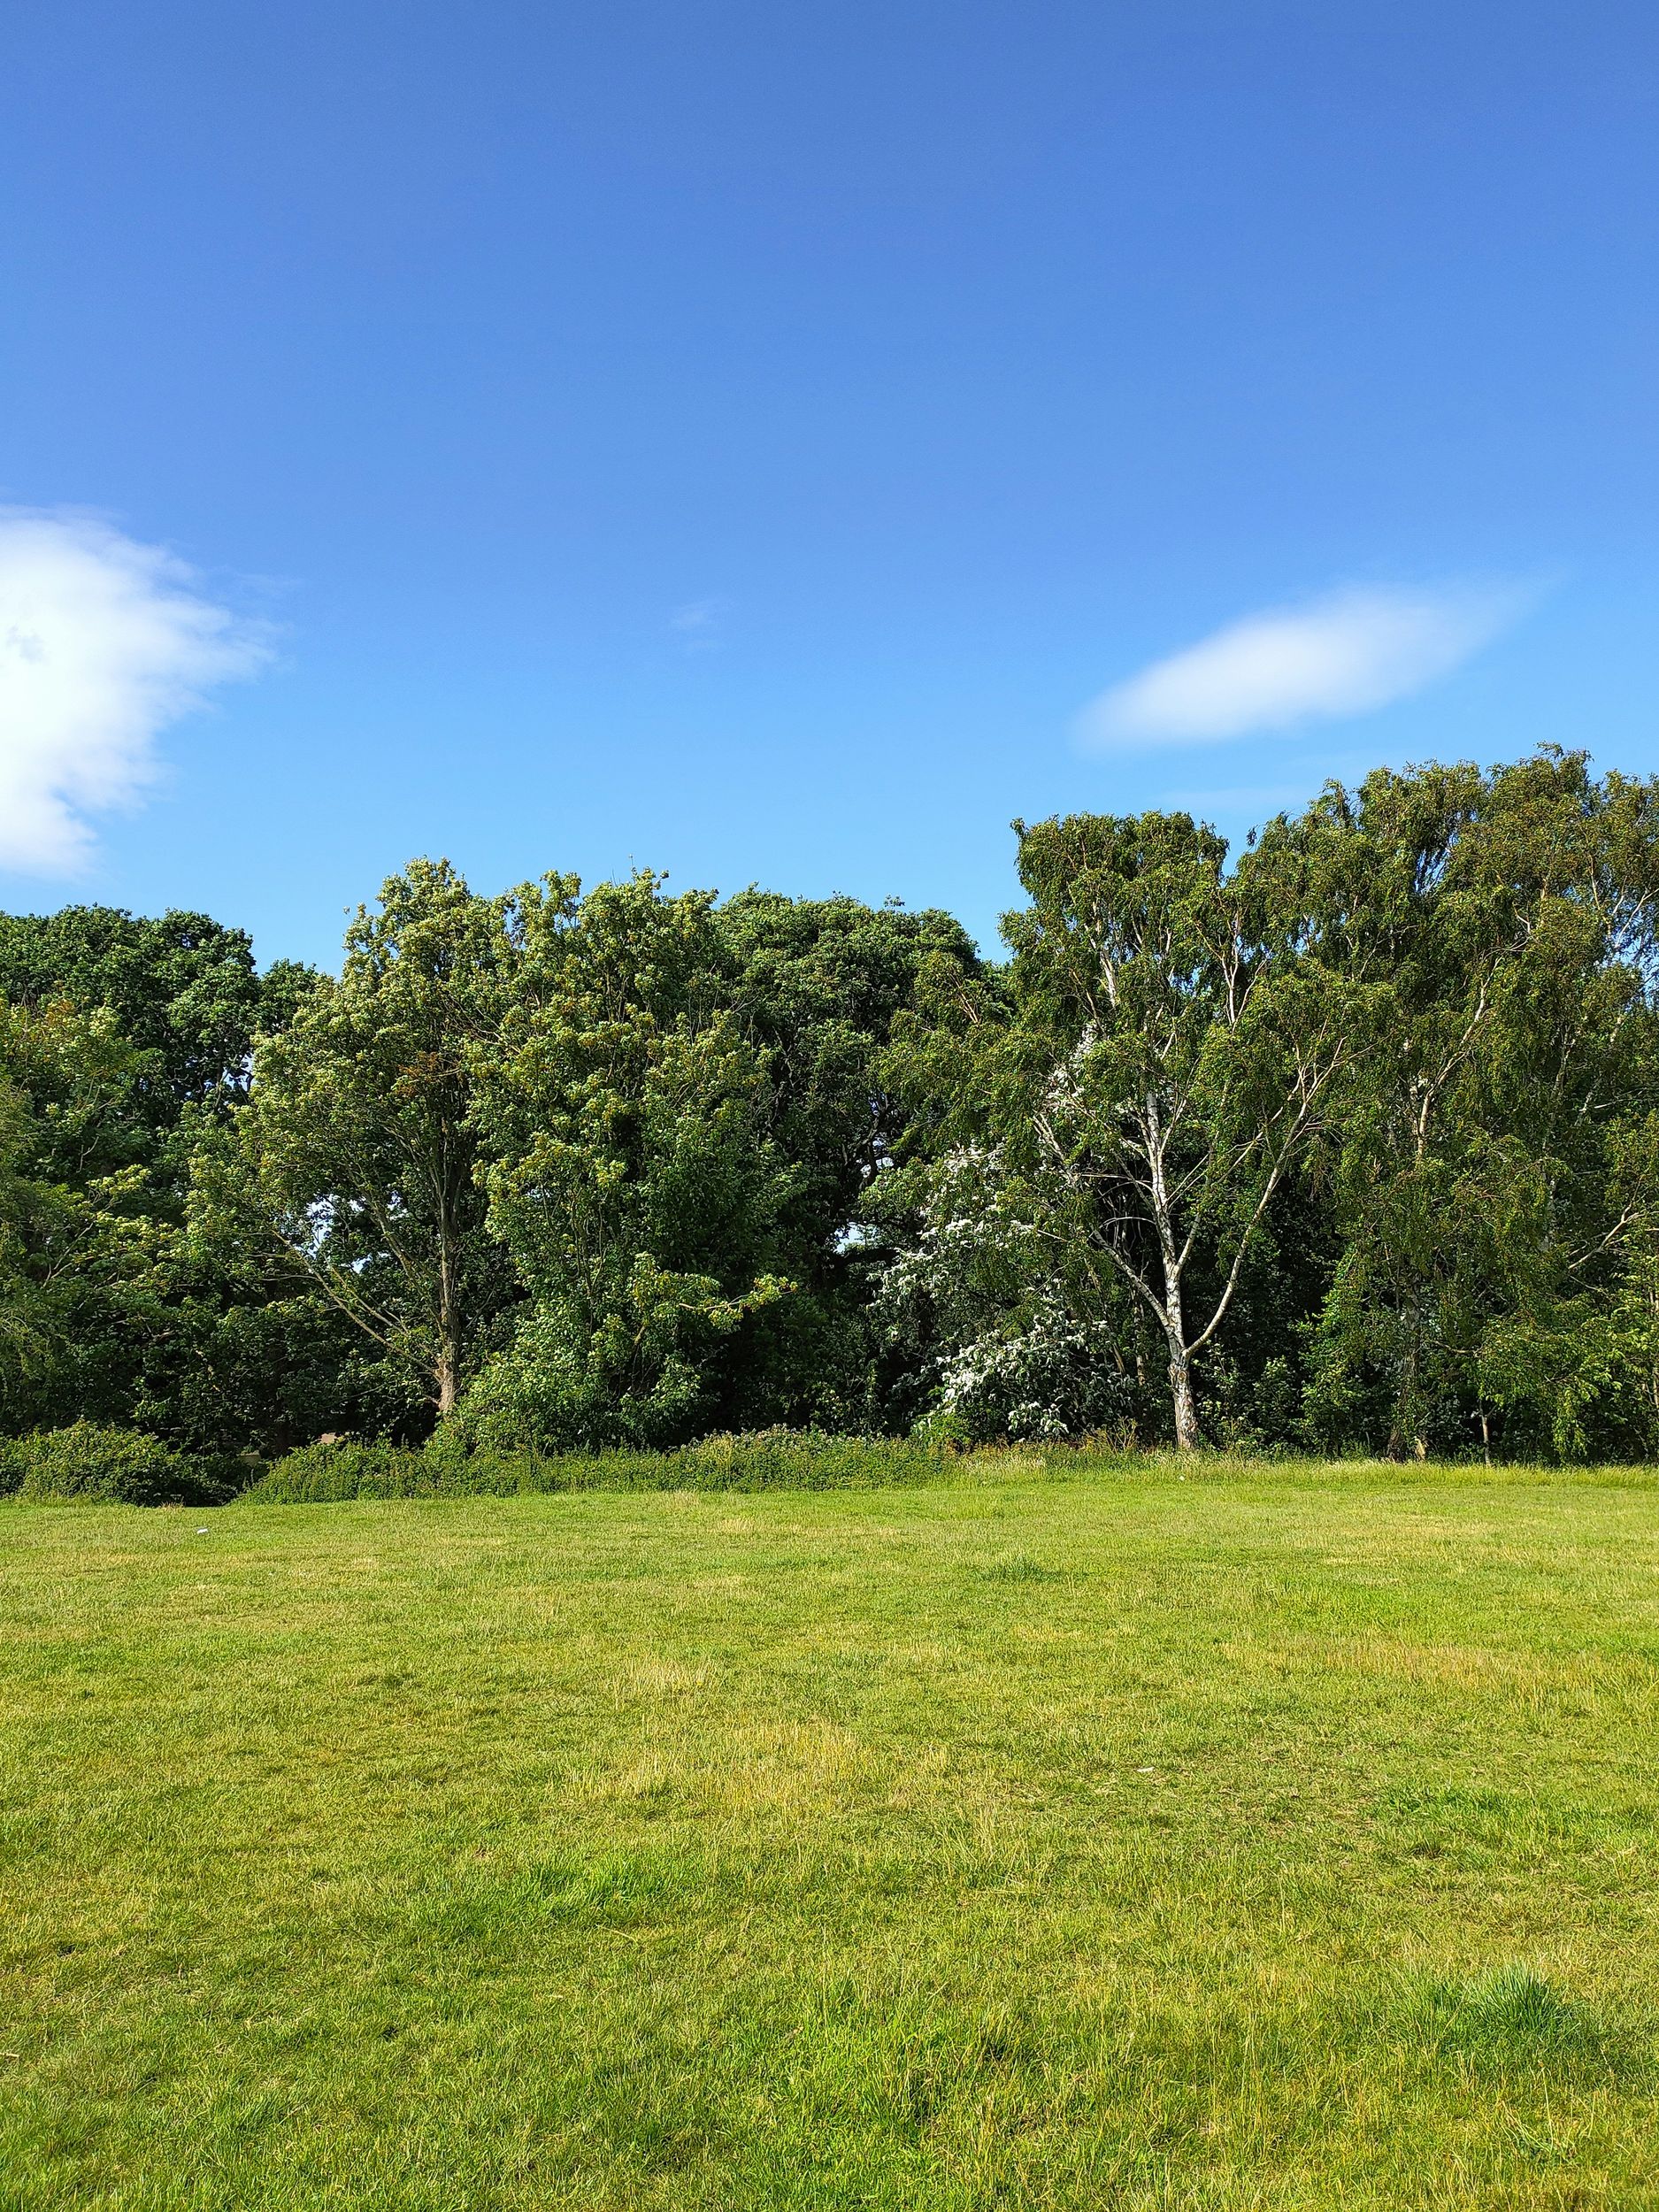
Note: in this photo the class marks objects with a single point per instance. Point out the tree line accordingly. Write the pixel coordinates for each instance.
(1350, 1141)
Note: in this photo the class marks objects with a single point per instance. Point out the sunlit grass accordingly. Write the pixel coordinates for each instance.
(1263, 1838)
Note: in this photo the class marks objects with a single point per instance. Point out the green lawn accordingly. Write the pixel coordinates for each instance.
(1269, 1838)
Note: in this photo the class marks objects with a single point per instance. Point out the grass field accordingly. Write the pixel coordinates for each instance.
(1269, 1838)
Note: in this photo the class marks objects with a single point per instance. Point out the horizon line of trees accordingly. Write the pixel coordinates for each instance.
(1350, 1141)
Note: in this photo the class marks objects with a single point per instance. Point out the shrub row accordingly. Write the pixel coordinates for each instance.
(776, 1459)
(90, 1463)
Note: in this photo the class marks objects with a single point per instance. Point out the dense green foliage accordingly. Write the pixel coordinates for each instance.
(317, 1474)
(1277, 1840)
(90, 1463)
(1346, 1142)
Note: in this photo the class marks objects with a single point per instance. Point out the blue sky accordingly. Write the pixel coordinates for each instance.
(774, 443)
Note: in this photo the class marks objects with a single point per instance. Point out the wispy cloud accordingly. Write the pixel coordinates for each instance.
(1344, 654)
(698, 624)
(104, 642)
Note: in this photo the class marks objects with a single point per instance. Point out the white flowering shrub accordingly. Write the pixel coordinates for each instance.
(1009, 1335)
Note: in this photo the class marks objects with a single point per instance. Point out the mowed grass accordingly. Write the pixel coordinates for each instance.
(1261, 1839)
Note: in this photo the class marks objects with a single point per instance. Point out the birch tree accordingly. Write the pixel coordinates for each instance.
(1489, 1209)
(1167, 1050)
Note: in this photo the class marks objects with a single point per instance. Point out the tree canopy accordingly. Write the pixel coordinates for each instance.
(1349, 1139)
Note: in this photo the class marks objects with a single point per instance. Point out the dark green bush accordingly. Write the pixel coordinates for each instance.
(775, 1459)
(89, 1463)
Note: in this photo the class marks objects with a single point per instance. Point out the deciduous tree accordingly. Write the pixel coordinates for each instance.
(353, 1166)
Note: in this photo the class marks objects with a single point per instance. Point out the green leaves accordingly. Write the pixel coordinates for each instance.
(1348, 1138)
(1408, 1035)
(1162, 1059)
(632, 1174)
(1509, 923)
(354, 1163)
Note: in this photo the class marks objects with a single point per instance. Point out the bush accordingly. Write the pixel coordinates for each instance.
(94, 1464)
(773, 1459)
(322, 1473)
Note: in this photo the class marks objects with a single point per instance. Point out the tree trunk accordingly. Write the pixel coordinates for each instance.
(1181, 1392)
(1180, 1358)
(1174, 1317)
(447, 1366)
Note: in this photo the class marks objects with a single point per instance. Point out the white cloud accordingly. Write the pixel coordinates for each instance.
(102, 643)
(1344, 654)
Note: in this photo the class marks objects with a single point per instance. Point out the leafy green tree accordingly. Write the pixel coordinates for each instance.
(1508, 920)
(816, 985)
(1605, 1393)
(88, 1239)
(353, 1166)
(633, 1175)
(20, 1330)
(120, 1035)
(183, 990)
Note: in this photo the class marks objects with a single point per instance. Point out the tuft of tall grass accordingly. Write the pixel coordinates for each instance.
(1510, 2016)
